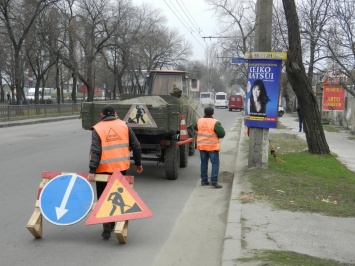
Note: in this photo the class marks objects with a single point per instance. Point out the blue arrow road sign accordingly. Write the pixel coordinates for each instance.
(66, 199)
(238, 60)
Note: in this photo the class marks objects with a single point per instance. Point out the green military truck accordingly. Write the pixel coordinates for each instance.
(163, 119)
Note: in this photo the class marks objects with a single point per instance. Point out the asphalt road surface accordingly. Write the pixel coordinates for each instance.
(187, 228)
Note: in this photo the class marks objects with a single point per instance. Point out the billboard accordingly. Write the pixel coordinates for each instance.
(333, 95)
(262, 99)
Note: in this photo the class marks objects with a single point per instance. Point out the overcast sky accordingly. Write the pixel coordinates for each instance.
(193, 19)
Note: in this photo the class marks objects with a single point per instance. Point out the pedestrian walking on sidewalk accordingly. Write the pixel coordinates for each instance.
(209, 131)
(300, 121)
(111, 143)
(8, 97)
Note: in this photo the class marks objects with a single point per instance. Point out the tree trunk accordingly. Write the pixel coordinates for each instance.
(18, 76)
(302, 87)
(2, 92)
(73, 93)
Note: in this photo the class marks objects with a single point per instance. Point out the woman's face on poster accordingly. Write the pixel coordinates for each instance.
(256, 91)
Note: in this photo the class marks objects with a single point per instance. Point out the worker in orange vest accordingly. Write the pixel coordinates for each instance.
(111, 143)
(209, 131)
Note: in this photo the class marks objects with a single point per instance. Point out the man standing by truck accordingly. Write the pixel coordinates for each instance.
(209, 131)
(111, 143)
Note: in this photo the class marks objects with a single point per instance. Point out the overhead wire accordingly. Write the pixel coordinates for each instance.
(193, 23)
(182, 22)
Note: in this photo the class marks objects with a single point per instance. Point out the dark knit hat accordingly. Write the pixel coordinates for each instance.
(108, 110)
(209, 110)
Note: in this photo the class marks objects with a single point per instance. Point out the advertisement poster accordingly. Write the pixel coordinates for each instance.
(333, 97)
(262, 97)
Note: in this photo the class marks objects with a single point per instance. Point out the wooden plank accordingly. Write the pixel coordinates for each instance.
(105, 178)
(41, 186)
(121, 230)
(98, 177)
(34, 224)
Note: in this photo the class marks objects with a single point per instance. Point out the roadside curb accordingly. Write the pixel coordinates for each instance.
(36, 121)
(232, 247)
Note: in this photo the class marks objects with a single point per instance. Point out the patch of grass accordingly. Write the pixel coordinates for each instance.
(286, 143)
(286, 258)
(330, 128)
(304, 182)
(280, 125)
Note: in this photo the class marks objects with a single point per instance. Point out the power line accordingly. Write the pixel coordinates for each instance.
(191, 32)
(179, 16)
(218, 37)
(193, 23)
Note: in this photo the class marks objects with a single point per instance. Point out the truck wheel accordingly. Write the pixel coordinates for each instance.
(192, 146)
(172, 161)
(184, 155)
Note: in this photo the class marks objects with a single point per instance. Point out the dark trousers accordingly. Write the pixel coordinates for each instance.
(300, 122)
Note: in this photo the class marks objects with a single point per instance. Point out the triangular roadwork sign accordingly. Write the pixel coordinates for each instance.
(118, 202)
(139, 116)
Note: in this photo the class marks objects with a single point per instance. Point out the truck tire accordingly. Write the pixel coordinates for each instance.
(172, 161)
(184, 155)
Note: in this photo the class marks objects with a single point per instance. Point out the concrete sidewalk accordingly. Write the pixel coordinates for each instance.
(260, 226)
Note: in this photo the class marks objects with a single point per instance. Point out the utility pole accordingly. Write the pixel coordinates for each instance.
(258, 137)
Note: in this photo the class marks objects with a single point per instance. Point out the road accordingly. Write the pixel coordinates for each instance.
(187, 228)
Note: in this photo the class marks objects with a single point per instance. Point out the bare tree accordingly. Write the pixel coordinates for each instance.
(18, 18)
(121, 54)
(95, 23)
(38, 55)
(301, 85)
(340, 41)
(2, 59)
(6, 70)
(164, 47)
(314, 16)
(238, 27)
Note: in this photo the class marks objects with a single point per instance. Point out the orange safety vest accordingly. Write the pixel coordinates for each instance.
(207, 139)
(114, 144)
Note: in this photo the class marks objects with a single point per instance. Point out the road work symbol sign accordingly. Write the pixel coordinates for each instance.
(204, 126)
(139, 116)
(112, 136)
(118, 202)
(66, 199)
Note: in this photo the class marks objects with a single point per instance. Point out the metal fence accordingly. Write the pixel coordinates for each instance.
(19, 112)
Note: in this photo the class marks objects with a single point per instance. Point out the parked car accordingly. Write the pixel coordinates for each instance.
(236, 102)
(280, 112)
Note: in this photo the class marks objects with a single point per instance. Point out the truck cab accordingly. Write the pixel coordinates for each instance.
(162, 82)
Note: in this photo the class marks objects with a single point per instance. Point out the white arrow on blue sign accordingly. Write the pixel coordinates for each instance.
(66, 199)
